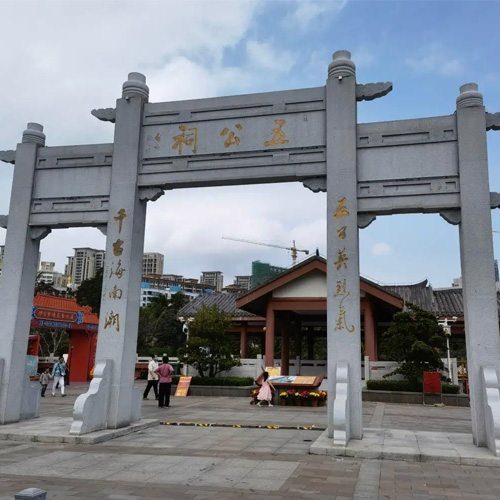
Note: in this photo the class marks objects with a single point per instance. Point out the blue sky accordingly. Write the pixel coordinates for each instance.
(62, 59)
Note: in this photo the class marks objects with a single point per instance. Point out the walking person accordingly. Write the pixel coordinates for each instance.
(265, 391)
(165, 371)
(58, 372)
(44, 380)
(152, 378)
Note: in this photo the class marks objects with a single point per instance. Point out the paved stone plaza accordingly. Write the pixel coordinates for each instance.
(186, 462)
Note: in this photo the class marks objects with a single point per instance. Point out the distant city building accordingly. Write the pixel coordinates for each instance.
(262, 271)
(234, 288)
(83, 265)
(175, 280)
(149, 292)
(152, 263)
(457, 282)
(244, 282)
(47, 266)
(214, 278)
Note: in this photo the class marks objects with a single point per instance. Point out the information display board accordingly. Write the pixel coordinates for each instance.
(183, 386)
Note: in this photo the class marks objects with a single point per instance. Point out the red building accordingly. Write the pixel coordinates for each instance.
(80, 322)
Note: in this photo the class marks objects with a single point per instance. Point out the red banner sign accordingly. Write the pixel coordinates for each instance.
(52, 314)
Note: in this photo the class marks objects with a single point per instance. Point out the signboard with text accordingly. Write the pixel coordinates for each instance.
(183, 386)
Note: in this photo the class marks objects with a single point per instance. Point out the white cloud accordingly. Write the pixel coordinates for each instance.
(263, 55)
(435, 59)
(306, 12)
(381, 249)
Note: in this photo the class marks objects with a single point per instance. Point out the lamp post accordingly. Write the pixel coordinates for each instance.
(185, 329)
(447, 331)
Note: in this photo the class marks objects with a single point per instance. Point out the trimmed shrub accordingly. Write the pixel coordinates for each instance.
(404, 385)
(218, 381)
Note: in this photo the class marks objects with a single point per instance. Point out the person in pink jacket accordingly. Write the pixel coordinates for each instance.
(165, 371)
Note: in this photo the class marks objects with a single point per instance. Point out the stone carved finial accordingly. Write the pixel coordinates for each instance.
(34, 134)
(469, 96)
(135, 86)
(341, 65)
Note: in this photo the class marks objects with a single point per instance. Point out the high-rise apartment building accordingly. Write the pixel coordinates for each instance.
(214, 278)
(47, 266)
(244, 282)
(262, 272)
(84, 265)
(152, 263)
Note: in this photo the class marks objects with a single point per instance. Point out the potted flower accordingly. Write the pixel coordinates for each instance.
(253, 395)
(283, 398)
(304, 398)
(290, 400)
(322, 398)
(314, 398)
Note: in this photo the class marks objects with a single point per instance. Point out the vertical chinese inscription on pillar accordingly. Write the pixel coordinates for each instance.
(341, 264)
(111, 318)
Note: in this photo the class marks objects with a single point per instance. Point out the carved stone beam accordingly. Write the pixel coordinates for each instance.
(492, 121)
(370, 91)
(315, 184)
(3, 221)
(39, 233)
(150, 193)
(105, 114)
(8, 156)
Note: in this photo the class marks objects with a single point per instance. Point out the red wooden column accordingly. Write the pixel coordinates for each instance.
(244, 340)
(269, 357)
(285, 350)
(370, 333)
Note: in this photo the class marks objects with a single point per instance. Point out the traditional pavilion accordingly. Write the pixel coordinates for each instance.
(50, 312)
(286, 317)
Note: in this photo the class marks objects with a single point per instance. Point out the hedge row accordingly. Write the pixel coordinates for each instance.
(227, 381)
(404, 385)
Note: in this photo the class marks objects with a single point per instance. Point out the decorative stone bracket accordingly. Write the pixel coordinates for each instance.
(105, 114)
(91, 409)
(341, 422)
(492, 121)
(491, 396)
(39, 233)
(371, 91)
(150, 193)
(8, 156)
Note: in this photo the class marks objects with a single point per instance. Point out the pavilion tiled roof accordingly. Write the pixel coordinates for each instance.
(224, 301)
(67, 305)
(445, 302)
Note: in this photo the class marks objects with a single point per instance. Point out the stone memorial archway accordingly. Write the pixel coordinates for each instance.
(436, 164)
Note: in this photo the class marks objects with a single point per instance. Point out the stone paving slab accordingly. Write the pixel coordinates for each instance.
(51, 429)
(409, 446)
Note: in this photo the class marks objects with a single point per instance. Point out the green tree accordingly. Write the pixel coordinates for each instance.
(90, 291)
(159, 329)
(414, 339)
(211, 348)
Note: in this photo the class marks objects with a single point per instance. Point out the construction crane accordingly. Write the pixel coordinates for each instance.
(293, 249)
